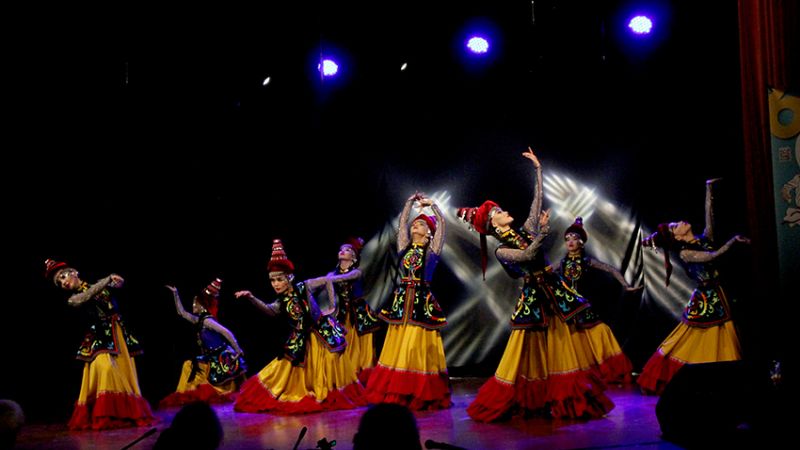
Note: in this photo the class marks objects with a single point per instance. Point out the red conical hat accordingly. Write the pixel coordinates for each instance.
(279, 262)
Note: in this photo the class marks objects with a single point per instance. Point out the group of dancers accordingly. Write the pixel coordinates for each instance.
(557, 363)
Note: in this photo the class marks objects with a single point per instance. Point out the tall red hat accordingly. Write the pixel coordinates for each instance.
(356, 243)
(430, 220)
(51, 267)
(279, 262)
(212, 290)
(577, 228)
(210, 297)
(662, 238)
(478, 217)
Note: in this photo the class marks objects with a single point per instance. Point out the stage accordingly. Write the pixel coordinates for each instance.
(632, 423)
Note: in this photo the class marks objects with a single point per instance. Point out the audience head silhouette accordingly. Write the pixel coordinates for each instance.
(11, 420)
(372, 430)
(196, 426)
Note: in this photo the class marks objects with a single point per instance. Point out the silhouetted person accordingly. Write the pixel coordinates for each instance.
(11, 420)
(196, 426)
(372, 429)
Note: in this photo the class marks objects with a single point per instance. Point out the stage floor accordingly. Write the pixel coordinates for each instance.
(632, 423)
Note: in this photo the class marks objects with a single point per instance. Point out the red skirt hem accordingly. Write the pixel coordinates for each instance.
(111, 410)
(658, 371)
(256, 398)
(573, 395)
(364, 375)
(203, 393)
(616, 370)
(417, 391)
(352, 396)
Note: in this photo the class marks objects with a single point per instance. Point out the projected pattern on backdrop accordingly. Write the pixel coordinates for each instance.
(479, 313)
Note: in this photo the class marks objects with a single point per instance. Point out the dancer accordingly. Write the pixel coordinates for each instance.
(215, 374)
(352, 309)
(311, 375)
(543, 369)
(606, 354)
(110, 395)
(706, 332)
(412, 370)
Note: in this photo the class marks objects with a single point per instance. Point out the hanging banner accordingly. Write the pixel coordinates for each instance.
(784, 123)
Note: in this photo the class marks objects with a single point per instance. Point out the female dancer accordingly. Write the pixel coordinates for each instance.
(215, 374)
(110, 395)
(706, 332)
(606, 353)
(310, 375)
(352, 309)
(412, 370)
(543, 369)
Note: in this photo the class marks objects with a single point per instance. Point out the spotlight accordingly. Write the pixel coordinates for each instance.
(478, 45)
(328, 67)
(640, 25)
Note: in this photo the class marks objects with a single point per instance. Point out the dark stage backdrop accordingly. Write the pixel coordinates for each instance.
(146, 145)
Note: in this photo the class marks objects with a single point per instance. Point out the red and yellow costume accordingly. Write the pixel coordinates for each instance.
(544, 370)
(412, 370)
(706, 332)
(311, 375)
(215, 374)
(109, 395)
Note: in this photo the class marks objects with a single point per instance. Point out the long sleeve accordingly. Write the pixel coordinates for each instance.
(402, 230)
(704, 256)
(82, 297)
(315, 283)
(600, 265)
(314, 308)
(270, 309)
(179, 308)
(353, 274)
(441, 226)
(216, 326)
(532, 222)
(709, 229)
(515, 255)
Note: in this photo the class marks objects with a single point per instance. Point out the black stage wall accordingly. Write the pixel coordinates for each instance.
(146, 145)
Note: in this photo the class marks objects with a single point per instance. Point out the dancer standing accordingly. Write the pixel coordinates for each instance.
(706, 332)
(543, 369)
(606, 354)
(412, 370)
(311, 374)
(110, 395)
(352, 310)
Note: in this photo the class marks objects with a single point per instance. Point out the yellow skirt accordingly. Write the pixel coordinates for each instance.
(689, 345)
(110, 395)
(199, 389)
(328, 381)
(410, 348)
(523, 357)
(333, 377)
(542, 372)
(597, 347)
(412, 370)
(359, 351)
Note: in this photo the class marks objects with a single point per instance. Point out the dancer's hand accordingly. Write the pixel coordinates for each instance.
(246, 294)
(530, 155)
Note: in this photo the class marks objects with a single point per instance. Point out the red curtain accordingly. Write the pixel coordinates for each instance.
(768, 40)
